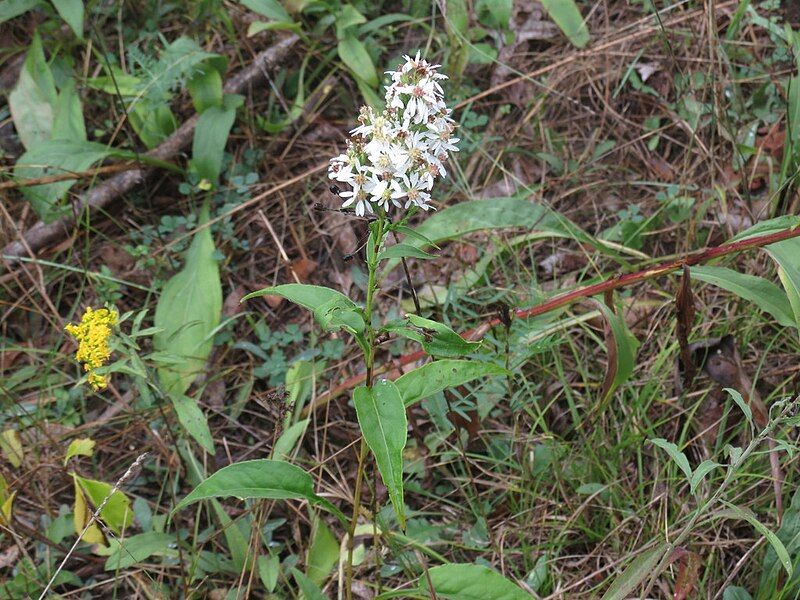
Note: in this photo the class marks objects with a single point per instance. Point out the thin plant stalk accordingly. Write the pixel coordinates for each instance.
(378, 234)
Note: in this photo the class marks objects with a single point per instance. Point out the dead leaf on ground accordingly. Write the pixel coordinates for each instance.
(303, 268)
(233, 302)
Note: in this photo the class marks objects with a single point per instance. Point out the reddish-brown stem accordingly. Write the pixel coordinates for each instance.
(394, 369)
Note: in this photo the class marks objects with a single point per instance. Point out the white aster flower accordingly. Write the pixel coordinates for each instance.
(397, 155)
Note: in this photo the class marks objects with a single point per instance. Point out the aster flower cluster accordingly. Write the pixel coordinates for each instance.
(92, 334)
(394, 157)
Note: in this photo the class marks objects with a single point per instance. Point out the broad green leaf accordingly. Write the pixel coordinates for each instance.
(57, 157)
(382, 418)
(355, 56)
(566, 15)
(152, 121)
(34, 97)
(703, 469)
(82, 518)
(471, 582)
(272, 9)
(309, 589)
(767, 227)
(676, 455)
(436, 376)
(257, 27)
(404, 251)
(789, 535)
(495, 13)
(347, 17)
(80, 447)
(491, 214)
(762, 292)
(269, 568)
(733, 592)
(636, 572)
(135, 549)
(745, 514)
(436, 338)
(68, 123)
(288, 440)
(786, 254)
(193, 420)
(457, 18)
(205, 87)
(210, 138)
(187, 313)
(72, 12)
(622, 347)
(323, 553)
(117, 513)
(14, 8)
(332, 310)
(264, 478)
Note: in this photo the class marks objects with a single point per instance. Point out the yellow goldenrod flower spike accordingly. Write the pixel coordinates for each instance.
(92, 334)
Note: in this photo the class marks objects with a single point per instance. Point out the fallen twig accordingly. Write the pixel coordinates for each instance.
(394, 369)
(42, 234)
(104, 170)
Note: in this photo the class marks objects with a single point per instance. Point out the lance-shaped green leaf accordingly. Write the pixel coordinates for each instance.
(436, 376)
(636, 572)
(436, 338)
(33, 99)
(621, 347)
(382, 418)
(745, 514)
(762, 292)
(471, 582)
(332, 310)
(566, 15)
(187, 313)
(786, 254)
(265, 479)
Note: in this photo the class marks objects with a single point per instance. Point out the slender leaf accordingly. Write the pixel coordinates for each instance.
(471, 582)
(703, 469)
(264, 478)
(789, 535)
(762, 292)
(272, 9)
(733, 592)
(135, 549)
(635, 573)
(382, 418)
(323, 553)
(676, 455)
(288, 440)
(14, 8)
(404, 251)
(566, 15)
(786, 253)
(210, 137)
(743, 406)
(72, 12)
(434, 377)
(193, 420)
(355, 56)
(309, 589)
(622, 346)
(68, 123)
(745, 514)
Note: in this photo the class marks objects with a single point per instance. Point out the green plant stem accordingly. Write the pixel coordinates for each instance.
(729, 475)
(369, 359)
